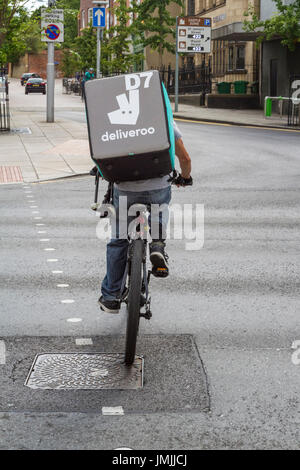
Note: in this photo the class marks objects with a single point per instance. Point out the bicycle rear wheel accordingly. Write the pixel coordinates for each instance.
(133, 300)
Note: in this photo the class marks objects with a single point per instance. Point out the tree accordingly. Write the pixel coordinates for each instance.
(21, 36)
(8, 11)
(156, 24)
(120, 44)
(71, 9)
(285, 24)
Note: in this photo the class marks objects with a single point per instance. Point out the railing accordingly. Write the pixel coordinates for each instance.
(191, 79)
(294, 102)
(4, 102)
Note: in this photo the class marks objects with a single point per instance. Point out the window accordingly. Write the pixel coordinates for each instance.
(240, 57)
(83, 19)
(191, 7)
(231, 58)
(90, 16)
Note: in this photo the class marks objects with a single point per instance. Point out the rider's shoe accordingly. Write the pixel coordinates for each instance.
(159, 259)
(109, 306)
(93, 171)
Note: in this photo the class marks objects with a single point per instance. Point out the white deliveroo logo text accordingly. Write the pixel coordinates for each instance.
(129, 106)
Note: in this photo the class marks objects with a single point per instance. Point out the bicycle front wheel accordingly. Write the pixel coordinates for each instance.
(133, 302)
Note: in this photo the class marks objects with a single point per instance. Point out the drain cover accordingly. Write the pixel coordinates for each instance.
(21, 130)
(87, 371)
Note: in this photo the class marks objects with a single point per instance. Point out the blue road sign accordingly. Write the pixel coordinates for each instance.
(99, 16)
(207, 22)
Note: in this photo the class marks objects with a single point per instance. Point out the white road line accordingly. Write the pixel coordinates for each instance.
(33, 207)
(2, 353)
(83, 341)
(57, 272)
(52, 260)
(35, 212)
(62, 285)
(67, 301)
(39, 225)
(44, 239)
(112, 411)
(49, 249)
(74, 320)
(42, 232)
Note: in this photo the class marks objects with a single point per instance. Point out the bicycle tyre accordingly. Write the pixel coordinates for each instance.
(133, 302)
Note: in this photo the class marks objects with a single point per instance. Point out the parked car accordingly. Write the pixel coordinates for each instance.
(35, 85)
(26, 77)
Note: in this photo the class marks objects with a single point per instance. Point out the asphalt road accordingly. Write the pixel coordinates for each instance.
(236, 299)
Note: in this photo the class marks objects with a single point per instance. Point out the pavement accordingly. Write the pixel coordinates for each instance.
(36, 150)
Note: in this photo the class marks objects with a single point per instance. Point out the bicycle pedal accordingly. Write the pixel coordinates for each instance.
(160, 272)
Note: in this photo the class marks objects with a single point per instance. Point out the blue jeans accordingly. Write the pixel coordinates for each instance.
(116, 252)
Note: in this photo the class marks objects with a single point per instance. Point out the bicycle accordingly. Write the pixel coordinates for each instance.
(135, 284)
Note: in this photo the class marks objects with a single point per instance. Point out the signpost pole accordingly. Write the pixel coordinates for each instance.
(176, 69)
(50, 83)
(98, 52)
(50, 78)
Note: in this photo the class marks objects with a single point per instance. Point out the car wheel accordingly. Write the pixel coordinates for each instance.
(44, 92)
(26, 92)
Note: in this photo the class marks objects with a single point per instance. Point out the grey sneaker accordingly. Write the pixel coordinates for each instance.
(109, 306)
(159, 259)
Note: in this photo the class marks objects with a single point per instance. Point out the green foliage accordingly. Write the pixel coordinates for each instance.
(71, 63)
(71, 9)
(284, 25)
(121, 55)
(156, 25)
(22, 34)
(86, 45)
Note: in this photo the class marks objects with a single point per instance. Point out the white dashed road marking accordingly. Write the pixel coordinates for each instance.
(57, 272)
(83, 341)
(39, 225)
(112, 411)
(63, 285)
(74, 320)
(49, 249)
(44, 239)
(67, 301)
(2, 353)
(52, 260)
(40, 232)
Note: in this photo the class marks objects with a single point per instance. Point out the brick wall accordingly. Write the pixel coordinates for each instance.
(38, 63)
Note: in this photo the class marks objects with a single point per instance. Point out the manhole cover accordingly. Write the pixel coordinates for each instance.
(87, 371)
(21, 130)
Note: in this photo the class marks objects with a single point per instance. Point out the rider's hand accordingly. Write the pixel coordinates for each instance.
(180, 181)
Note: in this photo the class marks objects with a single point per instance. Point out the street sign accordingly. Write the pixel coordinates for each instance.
(194, 34)
(52, 25)
(99, 16)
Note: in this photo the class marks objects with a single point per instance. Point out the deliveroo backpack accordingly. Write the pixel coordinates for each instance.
(130, 125)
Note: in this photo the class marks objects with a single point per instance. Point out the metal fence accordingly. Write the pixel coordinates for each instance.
(294, 101)
(194, 79)
(4, 101)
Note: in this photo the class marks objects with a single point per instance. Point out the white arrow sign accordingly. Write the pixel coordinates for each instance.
(99, 13)
(99, 17)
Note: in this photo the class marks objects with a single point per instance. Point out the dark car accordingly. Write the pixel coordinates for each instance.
(35, 85)
(26, 77)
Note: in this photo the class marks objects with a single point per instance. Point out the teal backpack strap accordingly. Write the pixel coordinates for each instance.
(170, 125)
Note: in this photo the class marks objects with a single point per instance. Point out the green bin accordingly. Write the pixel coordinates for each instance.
(224, 88)
(240, 87)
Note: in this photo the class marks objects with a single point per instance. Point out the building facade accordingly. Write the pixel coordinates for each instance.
(151, 57)
(279, 64)
(234, 55)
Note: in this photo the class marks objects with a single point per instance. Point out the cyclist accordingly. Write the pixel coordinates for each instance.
(147, 192)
